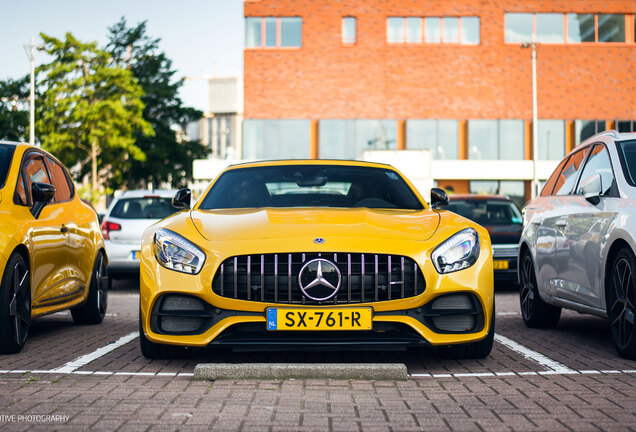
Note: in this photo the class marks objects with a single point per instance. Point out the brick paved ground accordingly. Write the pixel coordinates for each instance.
(449, 397)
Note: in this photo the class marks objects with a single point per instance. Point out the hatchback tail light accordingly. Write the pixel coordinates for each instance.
(107, 227)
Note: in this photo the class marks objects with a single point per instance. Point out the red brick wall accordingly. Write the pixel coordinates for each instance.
(373, 79)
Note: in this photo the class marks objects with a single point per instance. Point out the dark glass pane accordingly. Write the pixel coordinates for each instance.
(143, 208)
(611, 28)
(580, 28)
(270, 32)
(6, 156)
(518, 27)
(625, 126)
(253, 32)
(291, 32)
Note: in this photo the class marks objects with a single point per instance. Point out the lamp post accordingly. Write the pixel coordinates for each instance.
(30, 51)
(534, 190)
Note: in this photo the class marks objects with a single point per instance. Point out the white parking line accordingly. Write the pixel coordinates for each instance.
(72, 366)
(548, 363)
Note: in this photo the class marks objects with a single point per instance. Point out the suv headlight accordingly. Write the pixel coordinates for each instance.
(458, 252)
(177, 253)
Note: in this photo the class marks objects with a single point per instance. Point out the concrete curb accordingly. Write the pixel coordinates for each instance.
(358, 371)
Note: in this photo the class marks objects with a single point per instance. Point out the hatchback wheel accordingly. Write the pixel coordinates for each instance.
(535, 312)
(621, 303)
(94, 310)
(15, 305)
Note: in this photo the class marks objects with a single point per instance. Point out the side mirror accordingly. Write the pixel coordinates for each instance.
(438, 198)
(592, 188)
(182, 199)
(41, 193)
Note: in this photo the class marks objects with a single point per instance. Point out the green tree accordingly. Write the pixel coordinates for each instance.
(90, 110)
(14, 119)
(169, 158)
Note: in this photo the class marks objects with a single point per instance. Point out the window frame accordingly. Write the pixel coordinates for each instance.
(349, 18)
(587, 158)
(629, 28)
(577, 174)
(67, 177)
(263, 37)
(27, 191)
(440, 41)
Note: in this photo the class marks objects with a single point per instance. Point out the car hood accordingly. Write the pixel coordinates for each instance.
(268, 223)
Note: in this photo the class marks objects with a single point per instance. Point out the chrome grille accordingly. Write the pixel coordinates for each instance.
(273, 278)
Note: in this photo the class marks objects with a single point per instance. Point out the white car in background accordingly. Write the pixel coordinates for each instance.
(578, 247)
(128, 215)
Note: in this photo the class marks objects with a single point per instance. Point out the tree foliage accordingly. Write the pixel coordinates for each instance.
(14, 119)
(169, 158)
(90, 112)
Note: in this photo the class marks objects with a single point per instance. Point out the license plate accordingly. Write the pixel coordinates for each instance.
(500, 264)
(136, 254)
(319, 319)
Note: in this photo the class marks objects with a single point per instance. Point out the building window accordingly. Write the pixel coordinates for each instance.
(495, 140)
(348, 30)
(438, 136)
(515, 190)
(626, 126)
(551, 139)
(587, 128)
(451, 30)
(275, 139)
(273, 32)
(558, 28)
(347, 139)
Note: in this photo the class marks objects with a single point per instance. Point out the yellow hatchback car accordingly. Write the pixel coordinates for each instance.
(315, 254)
(51, 248)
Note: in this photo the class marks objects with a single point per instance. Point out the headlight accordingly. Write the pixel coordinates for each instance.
(177, 253)
(458, 252)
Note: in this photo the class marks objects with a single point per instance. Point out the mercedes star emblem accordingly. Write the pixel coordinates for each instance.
(319, 240)
(319, 279)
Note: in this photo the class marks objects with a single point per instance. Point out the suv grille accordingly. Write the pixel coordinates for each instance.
(273, 278)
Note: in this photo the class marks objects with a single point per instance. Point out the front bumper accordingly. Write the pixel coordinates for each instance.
(242, 323)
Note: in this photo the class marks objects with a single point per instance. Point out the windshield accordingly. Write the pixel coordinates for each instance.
(6, 156)
(627, 152)
(487, 212)
(311, 186)
(143, 208)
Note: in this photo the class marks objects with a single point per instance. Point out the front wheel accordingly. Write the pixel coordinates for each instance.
(535, 312)
(15, 305)
(94, 310)
(621, 303)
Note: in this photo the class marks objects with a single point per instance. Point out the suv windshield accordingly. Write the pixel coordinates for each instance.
(311, 186)
(6, 156)
(487, 212)
(143, 208)
(627, 152)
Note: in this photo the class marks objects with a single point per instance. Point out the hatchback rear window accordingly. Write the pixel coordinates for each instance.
(6, 156)
(143, 208)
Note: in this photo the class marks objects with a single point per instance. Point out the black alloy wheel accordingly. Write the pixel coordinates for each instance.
(536, 313)
(94, 310)
(621, 303)
(15, 299)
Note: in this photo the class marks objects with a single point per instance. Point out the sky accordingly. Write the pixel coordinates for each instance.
(201, 37)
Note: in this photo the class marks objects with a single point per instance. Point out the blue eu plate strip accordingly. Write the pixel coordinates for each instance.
(272, 319)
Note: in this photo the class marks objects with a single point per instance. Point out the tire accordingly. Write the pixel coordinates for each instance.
(621, 303)
(472, 350)
(535, 312)
(153, 351)
(15, 305)
(94, 310)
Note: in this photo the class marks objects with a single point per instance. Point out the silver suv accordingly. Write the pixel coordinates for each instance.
(128, 215)
(577, 246)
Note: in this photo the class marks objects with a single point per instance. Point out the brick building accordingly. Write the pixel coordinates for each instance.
(332, 78)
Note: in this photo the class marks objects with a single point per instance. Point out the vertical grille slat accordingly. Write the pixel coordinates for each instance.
(237, 277)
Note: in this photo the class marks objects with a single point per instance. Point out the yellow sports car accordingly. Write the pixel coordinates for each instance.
(315, 254)
(51, 249)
